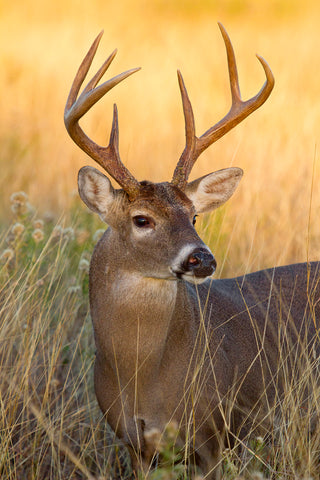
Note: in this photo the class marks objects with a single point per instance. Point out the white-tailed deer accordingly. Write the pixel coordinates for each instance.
(173, 344)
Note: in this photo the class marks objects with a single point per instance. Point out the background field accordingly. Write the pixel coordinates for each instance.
(49, 422)
(267, 222)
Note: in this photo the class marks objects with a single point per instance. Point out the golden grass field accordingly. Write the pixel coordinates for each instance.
(50, 424)
(267, 222)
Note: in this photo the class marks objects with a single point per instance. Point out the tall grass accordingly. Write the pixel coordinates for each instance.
(50, 426)
(49, 423)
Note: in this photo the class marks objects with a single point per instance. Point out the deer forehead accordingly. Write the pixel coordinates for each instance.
(160, 199)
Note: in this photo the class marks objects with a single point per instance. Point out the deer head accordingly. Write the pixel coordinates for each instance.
(155, 221)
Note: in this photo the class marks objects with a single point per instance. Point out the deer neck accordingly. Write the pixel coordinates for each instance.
(133, 315)
(137, 315)
(139, 300)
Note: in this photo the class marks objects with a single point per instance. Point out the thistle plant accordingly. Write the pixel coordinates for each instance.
(46, 351)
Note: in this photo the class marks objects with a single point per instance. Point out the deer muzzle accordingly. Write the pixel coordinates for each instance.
(201, 263)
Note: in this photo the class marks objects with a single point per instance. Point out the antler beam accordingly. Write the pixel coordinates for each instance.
(239, 111)
(108, 157)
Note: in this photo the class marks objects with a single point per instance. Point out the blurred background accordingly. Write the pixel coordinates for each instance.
(274, 216)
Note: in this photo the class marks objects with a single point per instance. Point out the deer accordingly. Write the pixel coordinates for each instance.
(172, 342)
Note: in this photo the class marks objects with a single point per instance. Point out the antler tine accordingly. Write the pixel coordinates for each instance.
(108, 157)
(82, 72)
(239, 111)
(185, 163)
(232, 66)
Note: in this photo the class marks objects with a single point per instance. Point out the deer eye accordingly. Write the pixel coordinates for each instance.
(143, 222)
(194, 220)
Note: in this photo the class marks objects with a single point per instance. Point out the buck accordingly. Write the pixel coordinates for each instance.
(173, 344)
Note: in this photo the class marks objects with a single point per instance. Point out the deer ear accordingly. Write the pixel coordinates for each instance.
(95, 190)
(212, 190)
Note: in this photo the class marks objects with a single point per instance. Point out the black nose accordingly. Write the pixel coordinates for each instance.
(200, 262)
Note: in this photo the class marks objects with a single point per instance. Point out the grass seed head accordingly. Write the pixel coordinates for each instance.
(98, 234)
(68, 233)
(19, 198)
(74, 290)
(21, 209)
(7, 255)
(17, 229)
(84, 265)
(38, 223)
(153, 438)
(57, 231)
(38, 235)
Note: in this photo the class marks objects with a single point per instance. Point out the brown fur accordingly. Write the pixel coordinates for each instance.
(153, 332)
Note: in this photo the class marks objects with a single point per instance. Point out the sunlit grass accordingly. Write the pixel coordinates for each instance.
(50, 426)
(40, 53)
(50, 423)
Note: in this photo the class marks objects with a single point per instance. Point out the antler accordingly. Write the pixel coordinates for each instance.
(239, 111)
(108, 157)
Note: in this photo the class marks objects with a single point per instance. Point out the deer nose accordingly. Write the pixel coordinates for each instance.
(200, 262)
